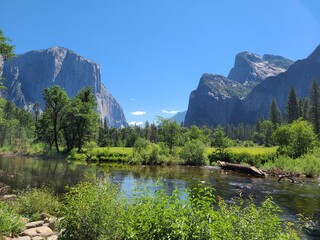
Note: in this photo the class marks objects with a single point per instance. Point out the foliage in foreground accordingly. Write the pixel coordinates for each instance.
(33, 202)
(99, 211)
(93, 211)
(10, 221)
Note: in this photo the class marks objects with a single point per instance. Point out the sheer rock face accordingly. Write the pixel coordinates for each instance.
(299, 75)
(250, 68)
(28, 74)
(213, 101)
(219, 100)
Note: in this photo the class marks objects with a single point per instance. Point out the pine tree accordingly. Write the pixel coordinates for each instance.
(314, 106)
(292, 109)
(275, 115)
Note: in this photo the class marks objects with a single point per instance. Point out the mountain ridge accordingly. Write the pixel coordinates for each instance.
(28, 74)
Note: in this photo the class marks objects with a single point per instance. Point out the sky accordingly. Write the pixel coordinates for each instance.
(153, 52)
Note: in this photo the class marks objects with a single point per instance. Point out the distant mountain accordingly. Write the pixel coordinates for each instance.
(28, 74)
(179, 117)
(221, 100)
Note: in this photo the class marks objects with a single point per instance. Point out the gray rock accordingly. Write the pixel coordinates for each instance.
(278, 61)
(23, 238)
(38, 231)
(250, 68)
(299, 75)
(28, 74)
(213, 101)
(9, 197)
(34, 224)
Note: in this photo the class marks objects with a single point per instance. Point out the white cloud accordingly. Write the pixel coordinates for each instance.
(133, 123)
(170, 112)
(132, 99)
(138, 113)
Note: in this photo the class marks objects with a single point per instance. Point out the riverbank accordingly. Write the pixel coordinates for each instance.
(98, 210)
(267, 159)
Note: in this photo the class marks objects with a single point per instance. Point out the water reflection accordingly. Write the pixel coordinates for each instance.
(20, 173)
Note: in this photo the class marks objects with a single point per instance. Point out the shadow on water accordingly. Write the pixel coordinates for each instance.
(21, 173)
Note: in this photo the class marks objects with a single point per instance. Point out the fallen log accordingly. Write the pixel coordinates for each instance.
(241, 168)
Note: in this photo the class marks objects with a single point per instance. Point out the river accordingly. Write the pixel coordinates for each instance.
(292, 198)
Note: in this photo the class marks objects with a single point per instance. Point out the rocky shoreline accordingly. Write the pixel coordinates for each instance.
(42, 229)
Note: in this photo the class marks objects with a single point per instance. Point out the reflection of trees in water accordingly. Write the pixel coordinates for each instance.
(20, 173)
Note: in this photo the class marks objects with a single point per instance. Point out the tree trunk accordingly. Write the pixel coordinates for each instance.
(241, 168)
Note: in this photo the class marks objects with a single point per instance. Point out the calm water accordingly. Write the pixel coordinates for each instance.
(20, 173)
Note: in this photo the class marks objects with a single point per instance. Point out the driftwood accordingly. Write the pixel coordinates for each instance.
(241, 168)
(289, 177)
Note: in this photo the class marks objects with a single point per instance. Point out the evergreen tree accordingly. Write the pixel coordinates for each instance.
(275, 115)
(292, 109)
(314, 106)
(303, 108)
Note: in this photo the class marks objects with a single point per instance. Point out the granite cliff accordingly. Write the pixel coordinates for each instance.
(249, 68)
(221, 100)
(299, 75)
(212, 102)
(28, 74)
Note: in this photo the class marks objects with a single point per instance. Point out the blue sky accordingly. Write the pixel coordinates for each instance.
(153, 52)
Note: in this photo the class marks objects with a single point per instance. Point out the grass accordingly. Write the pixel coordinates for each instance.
(251, 150)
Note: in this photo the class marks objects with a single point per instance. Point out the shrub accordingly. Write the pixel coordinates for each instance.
(196, 215)
(93, 210)
(31, 203)
(10, 221)
(193, 153)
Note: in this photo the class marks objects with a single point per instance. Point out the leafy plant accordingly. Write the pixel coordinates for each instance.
(93, 210)
(10, 221)
(31, 203)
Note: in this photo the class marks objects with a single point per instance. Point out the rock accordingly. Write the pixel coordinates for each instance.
(23, 238)
(277, 61)
(53, 237)
(34, 224)
(219, 100)
(213, 101)
(37, 238)
(9, 197)
(28, 74)
(249, 67)
(38, 231)
(299, 75)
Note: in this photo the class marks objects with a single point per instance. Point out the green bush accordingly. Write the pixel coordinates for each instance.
(33, 202)
(196, 215)
(193, 153)
(10, 221)
(93, 211)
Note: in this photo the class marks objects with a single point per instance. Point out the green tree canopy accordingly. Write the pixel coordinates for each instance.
(292, 108)
(6, 50)
(275, 115)
(314, 106)
(295, 139)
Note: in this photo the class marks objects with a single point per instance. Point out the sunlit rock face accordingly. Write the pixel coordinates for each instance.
(213, 101)
(249, 67)
(28, 74)
(252, 84)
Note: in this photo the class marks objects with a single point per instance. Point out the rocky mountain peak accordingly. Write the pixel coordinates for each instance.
(250, 67)
(278, 61)
(28, 74)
